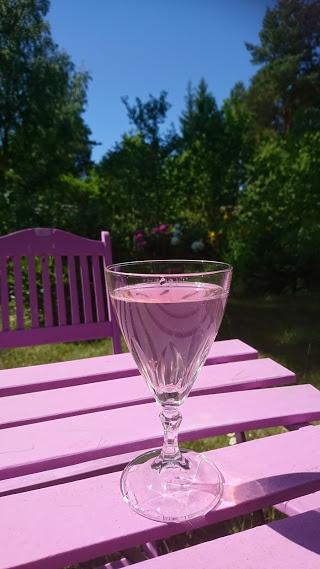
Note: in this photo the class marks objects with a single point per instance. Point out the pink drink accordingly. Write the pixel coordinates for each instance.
(169, 330)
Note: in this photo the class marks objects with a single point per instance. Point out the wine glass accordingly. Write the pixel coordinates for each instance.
(169, 313)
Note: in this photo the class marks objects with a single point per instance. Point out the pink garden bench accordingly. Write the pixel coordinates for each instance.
(67, 430)
(56, 278)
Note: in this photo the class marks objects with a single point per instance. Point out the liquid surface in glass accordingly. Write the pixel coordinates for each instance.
(169, 329)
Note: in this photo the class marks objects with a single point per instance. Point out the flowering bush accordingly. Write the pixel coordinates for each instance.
(154, 242)
(197, 245)
(139, 240)
(163, 229)
(176, 240)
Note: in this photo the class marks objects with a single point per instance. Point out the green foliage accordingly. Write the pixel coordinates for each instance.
(137, 165)
(201, 119)
(178, 240)
(148, 117)
(275, 240)
(42, 133)
(203, 152)
(240, 181)
(288, 81)
(238, 143)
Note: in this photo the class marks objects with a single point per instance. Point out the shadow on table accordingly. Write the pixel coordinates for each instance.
(303, 529)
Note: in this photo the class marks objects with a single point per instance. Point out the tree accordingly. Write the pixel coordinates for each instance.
(239, 141)
(202, 131)
(148, 117)
(137, 163)
(42, 97)
(201, 119)
(287, 86)
(275, 241)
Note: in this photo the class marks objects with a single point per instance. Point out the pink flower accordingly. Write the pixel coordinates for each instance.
(138, 236)
(163, 228)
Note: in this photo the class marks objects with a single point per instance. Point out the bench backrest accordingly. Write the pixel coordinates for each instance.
(52, 288)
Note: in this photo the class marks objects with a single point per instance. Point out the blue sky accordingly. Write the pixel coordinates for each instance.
(137, 47)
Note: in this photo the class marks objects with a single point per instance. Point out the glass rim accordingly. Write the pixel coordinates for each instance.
(112, 268)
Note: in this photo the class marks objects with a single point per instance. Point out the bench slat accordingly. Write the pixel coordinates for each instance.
(18, 292)
(87, 370)
(69, 401)
(43, 446)
(61, 301)
(47, 298)
(4, 294)
(86, 292)
(56, 334)
(33, 292)
(88, 518)
(73, 288)
(98, 288)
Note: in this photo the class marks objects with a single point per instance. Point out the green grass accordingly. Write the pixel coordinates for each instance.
(284, 328)
(53, 353)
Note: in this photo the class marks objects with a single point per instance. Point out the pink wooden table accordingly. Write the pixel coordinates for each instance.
(67, 430)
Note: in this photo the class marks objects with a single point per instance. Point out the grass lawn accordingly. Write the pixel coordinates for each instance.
(284, 328)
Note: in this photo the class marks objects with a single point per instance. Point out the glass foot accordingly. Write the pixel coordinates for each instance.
(172, 494)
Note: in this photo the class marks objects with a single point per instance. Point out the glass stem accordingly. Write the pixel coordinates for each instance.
(170, 455)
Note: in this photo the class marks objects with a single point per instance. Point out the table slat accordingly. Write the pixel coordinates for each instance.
(44, 405)
(69, 473)
(88, 518)
(301, 505)
(87, 370)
